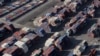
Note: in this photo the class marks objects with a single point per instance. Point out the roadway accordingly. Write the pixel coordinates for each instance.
(31, 15)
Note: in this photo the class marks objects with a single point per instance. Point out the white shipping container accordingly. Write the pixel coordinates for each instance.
(5, 45)
(22, 45)
(25, 40)
(6, 54)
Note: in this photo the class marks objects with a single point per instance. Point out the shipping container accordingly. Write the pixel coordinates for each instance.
(40, 32)
(74, 20)
(51, 40)
(13, 51)
(7, 26)
(31, 4)
(94, 31)
(22, 32)
(90, 10)
(38, 21)
(76, 26)
(37, 52)
(78, 50)
(1, 50)
(63, 42)
(96, 3)
(10, 41)
(22, 46)
(74, 5)
(54, 21)
(46, 27)
(92, 52)
(43, 29)
(27, 42)
(7, 43)
(51, 51)
(12, 6)
(30, 40)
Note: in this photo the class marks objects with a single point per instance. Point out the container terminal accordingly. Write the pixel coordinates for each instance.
(49, 27)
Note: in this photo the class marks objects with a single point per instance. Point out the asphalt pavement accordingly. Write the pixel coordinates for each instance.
(31, 15)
